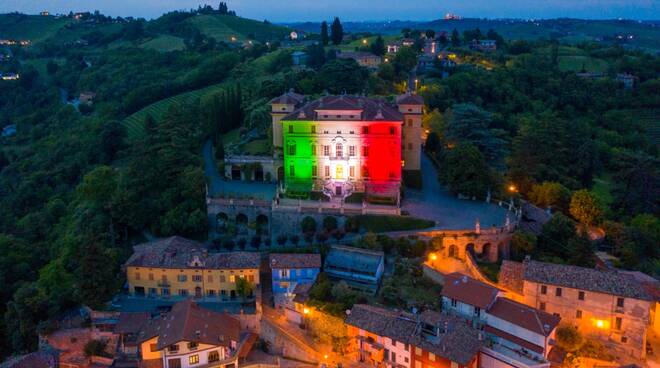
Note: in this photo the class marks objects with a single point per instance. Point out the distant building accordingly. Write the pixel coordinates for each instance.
(87, 98)
(176, 267)
(293, 35)
(627, 79)
(407, 42)
(44, 13)
(365, 59)
(290, 270)
(431, 47)
(450, 16)
(616, 307)
(9, 131)
(393, 48)
(299, 58)
(128, 330)
(10, 76)
(360, 268)
(190, 336)
(484, 45)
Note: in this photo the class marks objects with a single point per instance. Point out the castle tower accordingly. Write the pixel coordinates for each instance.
(280, 107)
(411, 106)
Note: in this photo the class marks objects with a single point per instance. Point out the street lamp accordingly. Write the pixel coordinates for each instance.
(433, 257)
(305, 310)
(364, 42)
(416, 82)
(512, 188)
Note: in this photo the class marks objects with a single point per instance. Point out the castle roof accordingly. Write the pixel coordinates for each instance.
(367, 109)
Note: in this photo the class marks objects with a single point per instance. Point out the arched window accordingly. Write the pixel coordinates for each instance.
(340, 150)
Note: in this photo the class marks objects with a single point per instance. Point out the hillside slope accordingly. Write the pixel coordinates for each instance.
(224, 27)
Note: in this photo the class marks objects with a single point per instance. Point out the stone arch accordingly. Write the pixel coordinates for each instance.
(471, 249)
(262, 224)
(486, 250)
(235, 172)
(452, 251)
(221, 220)
(198, 292)
(241, 223)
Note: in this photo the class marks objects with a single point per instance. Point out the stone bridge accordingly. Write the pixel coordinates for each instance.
(488, 245)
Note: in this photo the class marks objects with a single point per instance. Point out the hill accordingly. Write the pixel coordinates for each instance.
(224, 27)
(30, 27)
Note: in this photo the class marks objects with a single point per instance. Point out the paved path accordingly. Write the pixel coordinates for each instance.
(434, 202)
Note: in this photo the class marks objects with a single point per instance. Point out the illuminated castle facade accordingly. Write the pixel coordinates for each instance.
(343, 145)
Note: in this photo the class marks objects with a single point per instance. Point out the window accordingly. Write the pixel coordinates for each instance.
(313, 129)
(406, 347)
(313, 149)
(151, 276)
(558, 292)
(454, 303)
(221, 278)
(214, 356)
(183, 292)
(165, 291)
(251, 278)
(292, 171)
(326, 150)
(152, 291)
(209, 278)
(580, 295)
(153, 347)
(182, 278)
(284, 273)
(410, 122)
(418, 351)
(291, 149)
(477, 311)
(618, 322)
(351, 171)
(620, 302)
(339, 150)
(392, 130)
(327, 171)
(211, 293)
(365, 130)
(351, 150)
(431, 357)
(174, 363)
(232, 278)
(192, 345)
(137, 275)
(578, 314)
(544, 289)
(406, 359)
(197, 278)
(173, 348)
(624, 339)
(290, 128)
(223, 293)
(365, 151)
(542, 306)
(365, 172)
(193, 359)
(393, 357)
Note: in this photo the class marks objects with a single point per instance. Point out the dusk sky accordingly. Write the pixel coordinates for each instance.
(356, 10)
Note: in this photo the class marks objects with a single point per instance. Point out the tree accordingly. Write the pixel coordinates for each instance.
(243, 287)
(455, 38)
(342, 75)
(432, 142)
(550, 195)
(467, 123)
(581, 251)
(430, 34)
(555, 235)
(308, 224)
(522, 243)
(329, 223)
(336, 32)
(324, 33)
(585, 208)
(378, 46)
(464, 171)
(568, 338)
(95, 348)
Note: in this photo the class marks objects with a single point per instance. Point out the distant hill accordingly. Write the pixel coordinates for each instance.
(645, 34)
(224, 27)
(30, 27)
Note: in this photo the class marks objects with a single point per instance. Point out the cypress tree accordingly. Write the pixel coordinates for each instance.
(336, 32)
(325, 39)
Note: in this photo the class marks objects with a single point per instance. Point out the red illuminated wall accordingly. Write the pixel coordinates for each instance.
(384, 160)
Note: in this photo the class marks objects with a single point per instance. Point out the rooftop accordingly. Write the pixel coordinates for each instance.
(288, 98)
(178, 252)
(602, 281)
(354, 259)
(524, 316)
(295, 260)
(409, 99)
(469, 291)
(367, 109)
(187, 321)
(510, 276)
(131, 322)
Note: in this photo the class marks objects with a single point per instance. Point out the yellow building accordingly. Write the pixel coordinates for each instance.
(176, 267)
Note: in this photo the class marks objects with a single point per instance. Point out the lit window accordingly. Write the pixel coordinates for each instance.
(193, 359)
(340, 150)
(232, 278)
(578, 314)
(431, 357)
(418, 351)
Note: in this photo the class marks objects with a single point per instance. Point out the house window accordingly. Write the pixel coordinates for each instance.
(365, 151)
(173, 348)
(284, 273)
(326, 150)
(251, 278)
(153, 347)
(314, 171)
(393, 357)
(211, 293)
(214, 356)
(620, 302)
(580, 295)
(174, 363)
(182, 278)
(193, 359)
(290, 128)
(340, 150)
(431, 357)
(365, 172)
(313, 149)
(351, 150)
(313, 129)
(183, 292)
(137, 276)
(624, 339)
(192, 345)
(578, 314)
(197, 278)
(454, 303)
(210, 278)
(392, 130)
(292, 171)
(418, 351)
(221, 278)
(542, 306)
(365, 130)
(165, 291)
(327, 171)
(618, 322)
(558, 292)
(151, 276)
(544, 289)
(406, 347)
(291, 149)
(477, 311)
(232, 278)
(351, 171)
(405, 359)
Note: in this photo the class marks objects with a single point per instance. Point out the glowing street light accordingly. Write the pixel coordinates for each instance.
(305, 310)
(434, 257)
(365, 41)
(512, 188)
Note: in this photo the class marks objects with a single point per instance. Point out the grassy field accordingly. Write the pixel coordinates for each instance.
(577, 63)
(164, 43)
(31, 27)
(224, 27)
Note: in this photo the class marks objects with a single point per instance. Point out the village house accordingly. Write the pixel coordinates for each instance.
(468, 298)
(484, 45)
(290, 270)
(177, 268)
(393, 47)
(386, 338)
(627, 79)
(299, 58)
(10, 76)
(192, 336)
(128, 329)
(363, 58)
(87, 98)
(359, 268)
(613, 306)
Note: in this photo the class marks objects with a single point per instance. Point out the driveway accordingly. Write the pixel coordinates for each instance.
(435, 203)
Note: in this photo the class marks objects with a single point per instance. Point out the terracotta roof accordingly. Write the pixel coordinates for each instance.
(367, 109)
(289, 98)
(187, 321)
(295, 260)
(131, 322)
(399, 326)
(469, 291)
(178, 252)
(514, 339)
(511, 276)
(524, 316)
(607, 282)
(409, 99)
(460, 343)
(301, 292)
